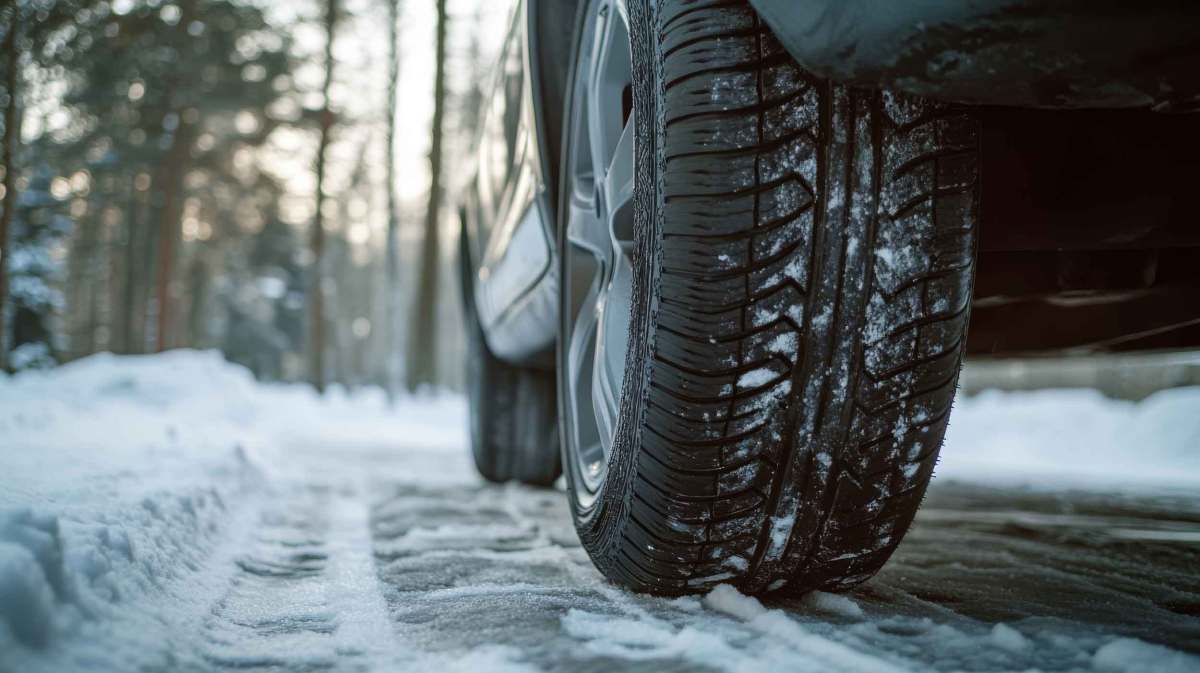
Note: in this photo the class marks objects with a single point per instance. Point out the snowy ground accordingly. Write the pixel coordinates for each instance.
(167, 513)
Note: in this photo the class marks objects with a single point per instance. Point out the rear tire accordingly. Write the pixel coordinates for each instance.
(802, 280)
(514, 432)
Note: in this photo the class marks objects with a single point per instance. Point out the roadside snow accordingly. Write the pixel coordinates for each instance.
(127, 483)
(1075, 438)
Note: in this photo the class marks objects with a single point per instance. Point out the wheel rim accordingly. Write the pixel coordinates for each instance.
(598, 250)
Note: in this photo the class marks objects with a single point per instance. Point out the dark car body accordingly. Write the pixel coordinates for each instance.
(1028, 53)
(1090, 239)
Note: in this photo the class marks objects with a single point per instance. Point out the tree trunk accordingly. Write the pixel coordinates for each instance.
(95, 266)
(316, 292)
(80, 291)
(168, 233)
(129, 266)
(199, 281)
(422, 358)
(172, 172)
(145, 275)
(392, 307)
(12, 137)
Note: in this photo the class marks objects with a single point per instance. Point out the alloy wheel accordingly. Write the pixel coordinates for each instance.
(597, 260)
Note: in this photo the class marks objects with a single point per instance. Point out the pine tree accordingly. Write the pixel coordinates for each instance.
(27, 226)
(158, 97)
(40, 223)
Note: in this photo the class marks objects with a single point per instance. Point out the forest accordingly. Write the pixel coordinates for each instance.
(264, 178)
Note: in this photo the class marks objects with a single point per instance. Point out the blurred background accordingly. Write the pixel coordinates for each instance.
(270, 179)
(261, 177)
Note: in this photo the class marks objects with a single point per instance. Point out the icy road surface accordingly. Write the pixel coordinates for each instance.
(168, 514)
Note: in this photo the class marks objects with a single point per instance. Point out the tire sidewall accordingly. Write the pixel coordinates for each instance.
(601, 517)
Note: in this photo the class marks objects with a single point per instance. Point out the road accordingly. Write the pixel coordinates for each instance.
(171, 514)
(394, 573)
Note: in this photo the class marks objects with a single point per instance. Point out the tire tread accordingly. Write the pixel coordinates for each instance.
(746, 426)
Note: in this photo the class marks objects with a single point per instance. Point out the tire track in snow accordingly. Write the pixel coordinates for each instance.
(484, 577)
(304, 596)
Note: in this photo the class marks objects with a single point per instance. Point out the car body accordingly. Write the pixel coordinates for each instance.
(1069, 54)
(1089, 160)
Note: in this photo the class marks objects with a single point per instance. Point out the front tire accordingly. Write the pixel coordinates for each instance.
(801, 273)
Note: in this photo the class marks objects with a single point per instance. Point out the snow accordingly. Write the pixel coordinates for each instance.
(1006, 637)
(1126, 655)
(170, 513)
(728, 600)
(757, 377)
(786, 344)
(26, 598)
(1064, 438)
(834, 604)
(784, 633)
(781, 530)
(126, 482)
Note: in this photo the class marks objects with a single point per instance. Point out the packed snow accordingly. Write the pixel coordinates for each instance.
(170, 513)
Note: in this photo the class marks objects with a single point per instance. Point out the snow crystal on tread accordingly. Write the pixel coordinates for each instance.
(756, 378)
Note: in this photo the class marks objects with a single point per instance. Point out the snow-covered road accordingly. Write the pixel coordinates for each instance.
(168, 513)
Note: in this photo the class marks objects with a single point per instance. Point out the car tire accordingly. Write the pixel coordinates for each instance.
(802, 274)
(514, 432)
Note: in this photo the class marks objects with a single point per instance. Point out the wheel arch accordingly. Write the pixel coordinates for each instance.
(1023, 53)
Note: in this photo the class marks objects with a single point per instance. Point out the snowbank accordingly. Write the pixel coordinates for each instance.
(1075, 438)
(121, 478)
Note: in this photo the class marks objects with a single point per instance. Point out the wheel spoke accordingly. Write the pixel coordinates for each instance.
(612, 340)
(580, 359)
(611, 73)
(595, 106)
(618, 189)
(586, 229)
(582, 335)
